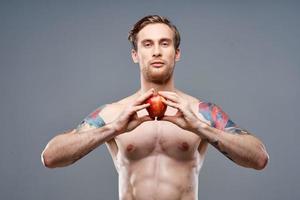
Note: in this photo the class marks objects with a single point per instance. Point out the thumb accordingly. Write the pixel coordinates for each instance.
(169, 118)
(136, 122)
(145, 118)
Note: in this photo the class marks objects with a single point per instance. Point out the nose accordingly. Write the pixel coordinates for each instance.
(156, 51)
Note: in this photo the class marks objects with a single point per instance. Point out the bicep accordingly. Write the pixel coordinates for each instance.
(219, 119)
(92, 121)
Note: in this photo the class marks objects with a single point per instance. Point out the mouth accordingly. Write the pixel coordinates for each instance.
(157, 63)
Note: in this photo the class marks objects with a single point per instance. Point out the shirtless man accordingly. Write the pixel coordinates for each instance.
(157, 159)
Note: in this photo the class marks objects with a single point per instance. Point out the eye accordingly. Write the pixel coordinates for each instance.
(165, 43)
(147, 44)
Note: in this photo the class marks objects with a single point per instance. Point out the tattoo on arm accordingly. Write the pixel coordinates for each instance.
(93, 119)
(216, 145)
(213, 114)
(220, 120)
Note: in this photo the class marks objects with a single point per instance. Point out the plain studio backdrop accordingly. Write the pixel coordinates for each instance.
(62, 59)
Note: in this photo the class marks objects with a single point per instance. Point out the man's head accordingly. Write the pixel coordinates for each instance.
(155, 41)
(152, 19)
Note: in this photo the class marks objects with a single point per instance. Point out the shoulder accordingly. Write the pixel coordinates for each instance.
(191, 99)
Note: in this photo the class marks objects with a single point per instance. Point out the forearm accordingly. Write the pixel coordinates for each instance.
(244, 149)
(65, 149)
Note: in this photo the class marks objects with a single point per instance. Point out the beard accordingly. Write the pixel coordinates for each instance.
(158, 75)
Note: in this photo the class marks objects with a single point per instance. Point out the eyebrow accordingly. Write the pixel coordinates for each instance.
(162, 39)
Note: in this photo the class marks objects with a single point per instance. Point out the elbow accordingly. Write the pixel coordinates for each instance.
(46, 160)
(51, 162)
(262, 161)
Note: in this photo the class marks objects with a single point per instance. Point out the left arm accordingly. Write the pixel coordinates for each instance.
(235, 143)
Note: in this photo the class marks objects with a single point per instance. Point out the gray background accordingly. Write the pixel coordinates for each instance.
(62, 59)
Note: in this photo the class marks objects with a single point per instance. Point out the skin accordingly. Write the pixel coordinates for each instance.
(157, 159)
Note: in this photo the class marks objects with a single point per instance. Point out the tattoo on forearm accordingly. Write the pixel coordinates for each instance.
(93, 119)
(236, 130)
(216, 145)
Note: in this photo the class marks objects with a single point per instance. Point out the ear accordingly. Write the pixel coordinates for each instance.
(134, 56)
(177, 54)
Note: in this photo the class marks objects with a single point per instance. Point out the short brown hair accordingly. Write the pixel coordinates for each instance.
(152, 19)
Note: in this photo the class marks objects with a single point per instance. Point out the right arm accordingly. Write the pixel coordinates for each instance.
(66, 148)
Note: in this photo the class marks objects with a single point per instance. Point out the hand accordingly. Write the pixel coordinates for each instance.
(128, 119)
(185, 118)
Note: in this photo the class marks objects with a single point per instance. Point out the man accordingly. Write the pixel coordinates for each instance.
(157, 159)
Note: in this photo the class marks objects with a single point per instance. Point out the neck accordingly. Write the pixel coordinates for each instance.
(167, 86)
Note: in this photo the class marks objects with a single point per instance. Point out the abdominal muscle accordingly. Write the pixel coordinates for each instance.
(158, 177)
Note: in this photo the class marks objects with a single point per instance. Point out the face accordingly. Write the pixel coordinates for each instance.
(155, 53)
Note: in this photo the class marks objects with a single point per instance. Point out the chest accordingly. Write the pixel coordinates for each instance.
(158, 137)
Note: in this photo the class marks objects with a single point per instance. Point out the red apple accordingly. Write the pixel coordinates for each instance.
(157, 108)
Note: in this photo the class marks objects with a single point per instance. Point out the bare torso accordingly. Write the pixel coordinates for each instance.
(157, 160)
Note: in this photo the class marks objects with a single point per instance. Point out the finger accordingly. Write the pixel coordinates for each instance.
(169, 118)
(145, 118)
(144, 97)
(141, 107)
(170, 97)
(172, 104)
(140, 120)
(178, 114)
(134, 116)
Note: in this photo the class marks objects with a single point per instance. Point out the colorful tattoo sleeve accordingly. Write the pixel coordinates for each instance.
(218, 118)
(94, 119)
